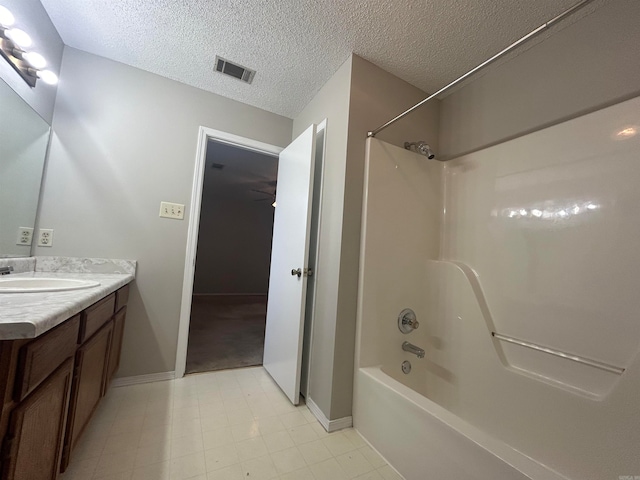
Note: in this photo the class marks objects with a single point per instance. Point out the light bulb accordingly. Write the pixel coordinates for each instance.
(6, 17)
(19, 37)
(35, 60)
(47, 76)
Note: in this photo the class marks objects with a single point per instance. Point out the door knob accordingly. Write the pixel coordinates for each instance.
(297, 272)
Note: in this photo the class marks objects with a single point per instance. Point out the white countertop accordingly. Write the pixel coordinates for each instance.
(28, 315)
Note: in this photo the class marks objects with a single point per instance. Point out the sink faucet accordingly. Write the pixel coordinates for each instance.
(408, 347)
(6, 270)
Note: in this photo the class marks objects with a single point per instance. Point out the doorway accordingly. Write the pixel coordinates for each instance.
(301, 196)
(208, 137)
(228, 309)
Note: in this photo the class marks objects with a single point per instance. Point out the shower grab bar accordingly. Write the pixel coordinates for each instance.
(575, 358)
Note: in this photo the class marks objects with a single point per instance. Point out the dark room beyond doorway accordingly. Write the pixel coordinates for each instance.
(228, 311)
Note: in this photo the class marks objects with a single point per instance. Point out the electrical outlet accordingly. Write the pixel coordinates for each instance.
(45, 237)
(172, 210)
(25, 236)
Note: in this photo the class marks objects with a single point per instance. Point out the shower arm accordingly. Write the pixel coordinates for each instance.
(514, 45)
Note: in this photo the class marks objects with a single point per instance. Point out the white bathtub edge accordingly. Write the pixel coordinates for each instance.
(524, 464)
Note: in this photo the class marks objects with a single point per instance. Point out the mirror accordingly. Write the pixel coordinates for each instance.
(24, 137)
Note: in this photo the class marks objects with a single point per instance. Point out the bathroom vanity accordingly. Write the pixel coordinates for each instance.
(58, 354)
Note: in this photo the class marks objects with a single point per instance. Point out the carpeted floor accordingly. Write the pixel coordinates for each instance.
(226, 332)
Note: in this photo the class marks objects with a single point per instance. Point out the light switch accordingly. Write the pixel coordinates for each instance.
(172, 210)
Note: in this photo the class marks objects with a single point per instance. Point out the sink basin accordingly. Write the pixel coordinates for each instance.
(29, 285)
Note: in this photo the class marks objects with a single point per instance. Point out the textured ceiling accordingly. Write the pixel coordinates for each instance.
(296, 45)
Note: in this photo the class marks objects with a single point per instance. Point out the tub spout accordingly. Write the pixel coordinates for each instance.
(408, 347)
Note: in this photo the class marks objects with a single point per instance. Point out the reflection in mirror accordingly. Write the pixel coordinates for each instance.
(24, 137)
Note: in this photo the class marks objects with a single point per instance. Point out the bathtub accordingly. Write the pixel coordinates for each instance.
(424, 441)
(477, 407)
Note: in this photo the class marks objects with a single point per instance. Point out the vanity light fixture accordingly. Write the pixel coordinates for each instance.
(47, 76)
(6, 17)
(19, 37)
(35, 59)
(14, 43)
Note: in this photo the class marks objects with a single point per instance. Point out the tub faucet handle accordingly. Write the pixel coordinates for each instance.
(411, 322)
(6, 270)
(407, 321)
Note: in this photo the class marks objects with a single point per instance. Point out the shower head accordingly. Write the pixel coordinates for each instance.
(422, 148)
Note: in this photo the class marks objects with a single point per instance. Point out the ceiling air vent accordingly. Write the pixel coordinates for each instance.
(234, 70)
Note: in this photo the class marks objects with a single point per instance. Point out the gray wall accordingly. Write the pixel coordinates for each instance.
(590, 64)
(32, 18)
(358, 98)
(376, 97)
(124, 140)
(332, 103)
(234, 247)
(24, 137)
(236, 224)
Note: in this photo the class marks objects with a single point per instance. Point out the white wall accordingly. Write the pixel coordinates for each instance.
(562, 280)
(401, 231)
(32, 18)
(124, 140)
(563, 276)
(557, 285)
(592, 63)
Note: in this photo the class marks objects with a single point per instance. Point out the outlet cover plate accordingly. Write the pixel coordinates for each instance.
(25, 236)
(172, 210)
(45, 237)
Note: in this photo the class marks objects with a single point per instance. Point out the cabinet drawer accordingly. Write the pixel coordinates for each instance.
(96, 315)
(40, 358)
(122, 297)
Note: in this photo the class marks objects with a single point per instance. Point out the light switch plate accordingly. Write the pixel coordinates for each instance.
(25, 236)
(172, 210)
(45, 237)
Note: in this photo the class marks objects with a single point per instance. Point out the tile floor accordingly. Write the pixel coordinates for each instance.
(226, 425)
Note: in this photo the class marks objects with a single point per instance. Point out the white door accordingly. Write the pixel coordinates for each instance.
(289, 262)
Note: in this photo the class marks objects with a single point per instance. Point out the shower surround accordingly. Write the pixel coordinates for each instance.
(533, 239)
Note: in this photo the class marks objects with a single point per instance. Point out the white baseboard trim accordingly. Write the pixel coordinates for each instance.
(152, 377)
(329, 425)
(229, 294)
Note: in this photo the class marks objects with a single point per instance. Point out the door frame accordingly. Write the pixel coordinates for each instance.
(204, 135)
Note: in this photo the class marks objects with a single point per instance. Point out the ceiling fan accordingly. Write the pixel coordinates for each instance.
(270, 196)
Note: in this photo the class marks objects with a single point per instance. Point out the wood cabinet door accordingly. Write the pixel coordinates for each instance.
(116, 344)
(33, 445)
(92, 360)
(40, 357)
